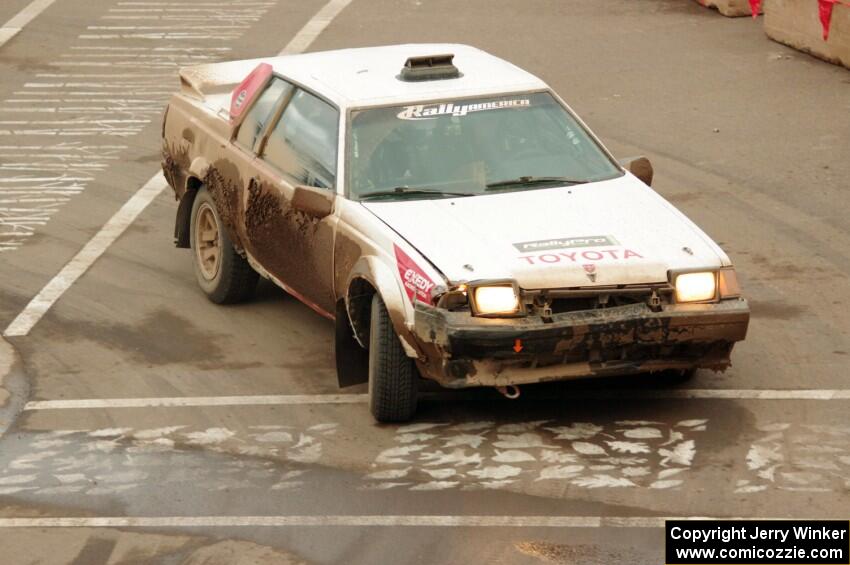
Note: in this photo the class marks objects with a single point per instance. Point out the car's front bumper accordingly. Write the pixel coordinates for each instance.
(461, 350)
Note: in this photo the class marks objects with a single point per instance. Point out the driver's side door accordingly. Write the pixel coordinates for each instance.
(289, 219)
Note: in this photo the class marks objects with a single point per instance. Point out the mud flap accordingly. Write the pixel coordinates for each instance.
(183, 219)
(352, 361)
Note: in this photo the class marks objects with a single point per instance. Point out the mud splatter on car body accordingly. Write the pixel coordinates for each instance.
(175, 164)
(223, 182)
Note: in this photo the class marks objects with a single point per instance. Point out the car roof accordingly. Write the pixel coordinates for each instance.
(369, 76)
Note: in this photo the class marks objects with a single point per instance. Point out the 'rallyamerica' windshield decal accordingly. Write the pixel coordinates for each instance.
(431, 111)
(566, 243)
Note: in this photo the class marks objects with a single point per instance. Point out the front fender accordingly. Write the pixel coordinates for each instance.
(387, 283)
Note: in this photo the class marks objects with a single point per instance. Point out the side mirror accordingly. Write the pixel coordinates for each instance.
(317, 202)
(639, 167)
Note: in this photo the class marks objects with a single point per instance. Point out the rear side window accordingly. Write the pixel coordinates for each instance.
(303, 144)
(261, 112)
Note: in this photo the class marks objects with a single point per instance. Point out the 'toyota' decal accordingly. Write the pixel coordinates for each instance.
(416, 283)
(591, 256)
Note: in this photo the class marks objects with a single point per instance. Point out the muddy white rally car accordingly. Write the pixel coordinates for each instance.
(452, 215)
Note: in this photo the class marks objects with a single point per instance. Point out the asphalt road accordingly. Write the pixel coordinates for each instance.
(748, 138)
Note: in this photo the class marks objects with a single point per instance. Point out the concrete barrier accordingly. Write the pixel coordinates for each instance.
(797, 23)
(729, 7)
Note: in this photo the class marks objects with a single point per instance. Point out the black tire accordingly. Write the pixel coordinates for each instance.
(393, 377)
(234, 279)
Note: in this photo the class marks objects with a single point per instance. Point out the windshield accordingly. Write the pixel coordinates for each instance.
(467, 147)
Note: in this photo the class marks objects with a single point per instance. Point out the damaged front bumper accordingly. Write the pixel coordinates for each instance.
(462, 351)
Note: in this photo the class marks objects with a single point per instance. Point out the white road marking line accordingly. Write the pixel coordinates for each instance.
(466, 521)
(197, 401)
(101, 75)
(222, 4)
(72, 122)
(312, 29)
(158, 36)
(84, 259)
(295, 399)
(11, 28)
(718, 394)
(141, 83)
(144, 56)
(193, 9)
(90, 93)
(116, 225)
(69, 133)
(203, 26)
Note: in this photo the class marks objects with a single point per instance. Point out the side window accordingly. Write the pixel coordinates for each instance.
(303, 143)
(260, 113)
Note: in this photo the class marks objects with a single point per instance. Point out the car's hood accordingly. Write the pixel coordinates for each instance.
(611, 232)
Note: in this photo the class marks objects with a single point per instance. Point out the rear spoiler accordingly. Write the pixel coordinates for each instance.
(216, 78)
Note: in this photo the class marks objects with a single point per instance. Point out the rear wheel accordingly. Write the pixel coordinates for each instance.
(223, 275)
(392, 374)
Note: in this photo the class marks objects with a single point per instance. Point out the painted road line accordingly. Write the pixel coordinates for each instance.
(90, 253)
(428, 521)
(84, 105)
(176, 402)
(312, 29)
(717, 394)
(308, 399)
(84, 259)
(11, 28)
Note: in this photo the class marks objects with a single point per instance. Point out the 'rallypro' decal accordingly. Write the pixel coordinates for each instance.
(417, 284)
(566, 243)
(581, 257)
(431, 111)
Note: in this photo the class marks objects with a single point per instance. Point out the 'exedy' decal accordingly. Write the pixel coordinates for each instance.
(566, 243)
(416, 283)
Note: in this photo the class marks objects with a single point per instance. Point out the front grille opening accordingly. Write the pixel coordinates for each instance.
(562, 305)
(551, 302)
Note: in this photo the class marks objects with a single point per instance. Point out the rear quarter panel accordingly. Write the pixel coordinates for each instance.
(193, 136)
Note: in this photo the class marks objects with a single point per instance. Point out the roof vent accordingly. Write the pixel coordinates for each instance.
(429, 67)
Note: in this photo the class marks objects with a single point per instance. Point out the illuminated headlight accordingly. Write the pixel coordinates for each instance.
(495, 300)
(696, 287)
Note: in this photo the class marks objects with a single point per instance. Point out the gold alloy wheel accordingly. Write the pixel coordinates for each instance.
(207, 242)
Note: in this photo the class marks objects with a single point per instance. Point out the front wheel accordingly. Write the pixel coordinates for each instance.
(392, 374)
(223, 275)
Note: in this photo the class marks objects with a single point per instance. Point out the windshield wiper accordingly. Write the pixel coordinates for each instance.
(408, 190)
(531, 181)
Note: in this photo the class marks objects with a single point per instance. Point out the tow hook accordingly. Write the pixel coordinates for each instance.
(655, 302)
(509, 391)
